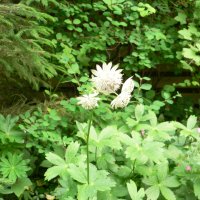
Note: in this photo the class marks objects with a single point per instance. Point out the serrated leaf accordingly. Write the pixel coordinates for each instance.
(186, 34)
(134, 194)
(139, 111)
(55, 159)
(78, 173)
(86, 192)
(55, 171)
(71, 151)
(166, 126)
(153, 118)
(162, 170)
(167, 193)
(152, 193)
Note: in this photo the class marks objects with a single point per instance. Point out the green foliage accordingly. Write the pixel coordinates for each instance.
(24, 44)
(137, 34)
(134, 153)
(9, 132)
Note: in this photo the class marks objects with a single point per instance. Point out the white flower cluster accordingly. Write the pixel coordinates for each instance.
(88, 101)
(107, 80)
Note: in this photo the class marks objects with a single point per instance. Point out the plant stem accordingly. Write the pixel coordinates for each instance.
(87, 141)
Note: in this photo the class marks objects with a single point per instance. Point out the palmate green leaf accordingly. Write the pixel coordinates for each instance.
(105, 160)
(167, 193)
(154, 150)
(153, 192)
(109, 137)
(99, 181)
(62, 166)
(13, 166)
(9, 130)
(134, 194)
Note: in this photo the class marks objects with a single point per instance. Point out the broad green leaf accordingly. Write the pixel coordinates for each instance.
(20, 185)
(153, 118)
(71, 152)
(191, 122)
(171, 182)
(181, 17)
(152, 193)
(151, 181)
(139, 111)
(167, 193)
(55, 171)
(77, 173)
(191, 54)
(186, 34)
(76, 21)
(166, 126)
(146, 86)
(55, 159)
(100, 179)
(196, 187)
(162, 171)
(86, 192)
(134, 194)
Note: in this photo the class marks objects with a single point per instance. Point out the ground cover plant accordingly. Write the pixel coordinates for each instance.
(105, 128)
(101, 145)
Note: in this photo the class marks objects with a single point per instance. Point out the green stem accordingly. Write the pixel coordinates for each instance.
(96, 154)
(87, 141)
(133, 169)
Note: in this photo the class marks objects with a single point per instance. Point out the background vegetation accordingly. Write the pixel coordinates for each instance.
(48, 48)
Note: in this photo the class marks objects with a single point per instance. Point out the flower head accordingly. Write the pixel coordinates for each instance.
(121, 100)
(198, 129)
(107, 79)
(188, 168)
(88, 101)
(128, 86)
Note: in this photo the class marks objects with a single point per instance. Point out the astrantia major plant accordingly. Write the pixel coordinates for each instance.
(106, 80)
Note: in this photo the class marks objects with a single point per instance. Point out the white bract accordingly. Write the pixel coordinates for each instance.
(89, 101)
(121, 100)
(107, 79)
(128, 86)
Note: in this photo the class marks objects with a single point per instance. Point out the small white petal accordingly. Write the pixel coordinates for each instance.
(121, 100)
(128, 86)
